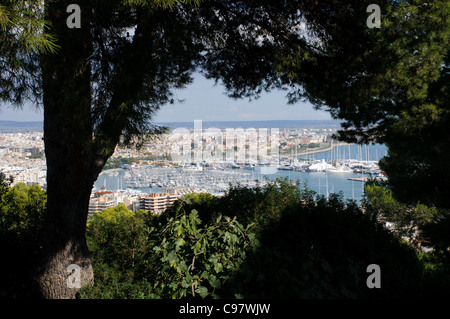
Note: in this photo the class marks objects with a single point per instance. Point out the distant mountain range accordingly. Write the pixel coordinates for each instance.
(15, 126)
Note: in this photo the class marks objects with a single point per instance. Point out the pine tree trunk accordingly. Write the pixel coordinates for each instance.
(65, 249)
(65, 244)
(66, 265)
(74, 155)
(71, 168)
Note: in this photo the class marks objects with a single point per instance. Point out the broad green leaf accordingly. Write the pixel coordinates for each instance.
(214, 282)
(218, 267)
(202, 291)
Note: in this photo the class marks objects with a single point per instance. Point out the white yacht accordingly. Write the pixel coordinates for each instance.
(319, 166)
(339, 169)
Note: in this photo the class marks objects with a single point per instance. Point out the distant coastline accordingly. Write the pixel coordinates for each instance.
(281, 124)
(17, 126)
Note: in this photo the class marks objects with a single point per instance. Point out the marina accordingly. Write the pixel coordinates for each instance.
(343, 169)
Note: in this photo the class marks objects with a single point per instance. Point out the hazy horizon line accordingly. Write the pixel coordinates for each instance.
(322, 120)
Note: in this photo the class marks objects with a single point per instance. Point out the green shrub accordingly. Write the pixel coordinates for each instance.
(191, 259)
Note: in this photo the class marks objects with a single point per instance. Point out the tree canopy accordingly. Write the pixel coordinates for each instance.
(389, 85)
(23, 34)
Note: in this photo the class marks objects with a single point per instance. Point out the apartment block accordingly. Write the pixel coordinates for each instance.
(96, 205)
(157, 202)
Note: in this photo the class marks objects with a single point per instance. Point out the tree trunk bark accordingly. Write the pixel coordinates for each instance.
(66, 265)
(74, 155)
(71, 168)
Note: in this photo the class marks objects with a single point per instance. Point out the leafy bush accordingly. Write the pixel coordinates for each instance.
(118, 237)
(22, 214)
(118, 241)
(190, 260)
(136, 256)
(417, 222)
(280, 241)
(323, 252)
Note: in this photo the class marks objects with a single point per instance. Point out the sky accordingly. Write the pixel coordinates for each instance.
(207, 102)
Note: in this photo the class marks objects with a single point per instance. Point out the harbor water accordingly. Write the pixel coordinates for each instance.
(158, 179)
